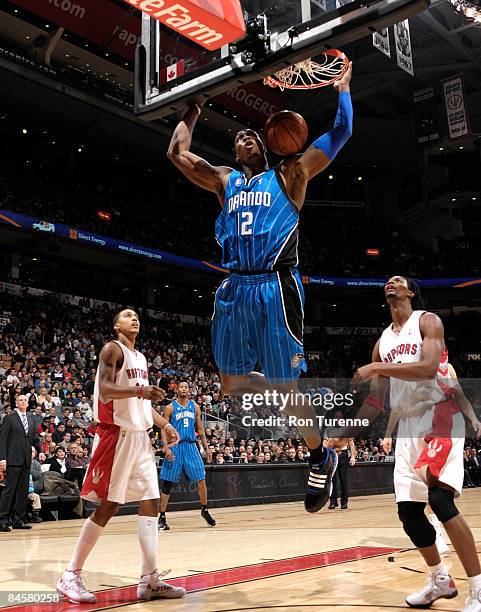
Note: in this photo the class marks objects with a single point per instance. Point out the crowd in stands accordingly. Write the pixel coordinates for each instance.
(50, 353)
(31, 190)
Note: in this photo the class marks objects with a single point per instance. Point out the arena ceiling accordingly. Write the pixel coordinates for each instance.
(444, 44)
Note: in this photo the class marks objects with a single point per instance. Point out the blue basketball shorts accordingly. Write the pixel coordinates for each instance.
(187, 459)
(259, 321)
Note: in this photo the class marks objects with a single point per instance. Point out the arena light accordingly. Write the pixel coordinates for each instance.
(469, 8)
(104, 215)
(373, 252)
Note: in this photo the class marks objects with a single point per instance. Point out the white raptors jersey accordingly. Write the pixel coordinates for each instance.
(132, 413)
(405, 347)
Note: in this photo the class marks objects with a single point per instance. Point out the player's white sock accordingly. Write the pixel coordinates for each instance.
(87, 539)
(438, 569)
(475, 582)
(148, 536)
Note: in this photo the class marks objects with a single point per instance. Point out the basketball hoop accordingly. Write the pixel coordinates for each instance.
(310, 74)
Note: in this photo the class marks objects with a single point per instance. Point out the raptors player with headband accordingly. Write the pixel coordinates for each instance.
(427, 402)
(122, 468)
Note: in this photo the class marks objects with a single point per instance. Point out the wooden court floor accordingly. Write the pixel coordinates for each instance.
(273, 557)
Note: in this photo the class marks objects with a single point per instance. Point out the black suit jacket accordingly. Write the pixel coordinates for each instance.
(15, 446)
(471, 462)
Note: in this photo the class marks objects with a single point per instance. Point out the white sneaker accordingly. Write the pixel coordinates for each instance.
(72, 585)
(441, 543)
(152, 587)
(473, 602)
(436, 588)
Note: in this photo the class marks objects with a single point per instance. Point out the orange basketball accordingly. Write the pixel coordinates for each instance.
(286, 133)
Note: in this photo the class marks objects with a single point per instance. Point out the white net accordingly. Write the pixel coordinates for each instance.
(310, 74)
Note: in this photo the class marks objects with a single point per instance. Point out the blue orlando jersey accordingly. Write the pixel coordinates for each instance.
(258, 226)
(183, 419)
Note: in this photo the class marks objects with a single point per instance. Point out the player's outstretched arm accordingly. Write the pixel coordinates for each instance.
(323, 150)
(195, 168)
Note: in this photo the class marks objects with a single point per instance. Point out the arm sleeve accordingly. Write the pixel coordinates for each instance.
(332, 142)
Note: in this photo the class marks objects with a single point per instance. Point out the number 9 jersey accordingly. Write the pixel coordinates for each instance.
(183, 419)
(257, 228)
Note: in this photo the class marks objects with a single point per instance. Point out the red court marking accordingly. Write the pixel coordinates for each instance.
(209, 580)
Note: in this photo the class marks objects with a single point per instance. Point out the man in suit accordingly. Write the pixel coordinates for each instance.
(474, 467)
(17, 436)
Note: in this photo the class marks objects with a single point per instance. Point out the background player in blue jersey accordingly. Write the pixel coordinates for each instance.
(184, 415)
(259, 308)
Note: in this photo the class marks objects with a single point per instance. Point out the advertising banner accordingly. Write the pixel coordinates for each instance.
(48, 228)
(103, 23)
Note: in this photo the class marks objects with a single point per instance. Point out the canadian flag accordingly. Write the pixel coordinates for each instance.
(173, 72)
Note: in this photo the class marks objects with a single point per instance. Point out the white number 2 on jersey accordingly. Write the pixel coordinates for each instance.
(186, 423)
(247, 219)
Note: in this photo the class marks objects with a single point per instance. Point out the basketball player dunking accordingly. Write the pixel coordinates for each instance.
(258, 311)
(410, 359)
(184, 415)
(122, 468)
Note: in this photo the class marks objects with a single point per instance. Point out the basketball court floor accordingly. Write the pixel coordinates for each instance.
(272, 557)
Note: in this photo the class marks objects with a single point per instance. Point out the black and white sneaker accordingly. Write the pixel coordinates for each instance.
(319, 484)
(205, 514)
(163, 524)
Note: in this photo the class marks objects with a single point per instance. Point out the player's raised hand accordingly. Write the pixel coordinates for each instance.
(172, 434)
(156, 394)
(343, 84)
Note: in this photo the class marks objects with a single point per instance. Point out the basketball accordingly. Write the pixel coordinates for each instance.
(286, 132)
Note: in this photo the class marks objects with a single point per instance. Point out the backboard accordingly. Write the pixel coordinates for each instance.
(172, 72)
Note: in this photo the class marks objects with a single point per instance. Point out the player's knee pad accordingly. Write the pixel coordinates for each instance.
(416, 524)
(442, 503)
(166, 487)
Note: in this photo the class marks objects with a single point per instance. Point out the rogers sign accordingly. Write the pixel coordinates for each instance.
(253, 101)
